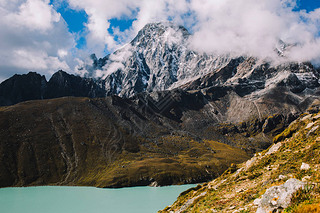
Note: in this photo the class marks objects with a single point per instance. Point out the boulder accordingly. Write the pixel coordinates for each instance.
(305, 166)
(278, 198)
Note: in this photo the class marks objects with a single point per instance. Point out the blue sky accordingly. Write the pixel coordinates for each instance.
(77, 19)
(47, 35)
(308, 5)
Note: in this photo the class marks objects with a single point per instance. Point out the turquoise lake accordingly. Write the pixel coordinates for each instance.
(56, 199)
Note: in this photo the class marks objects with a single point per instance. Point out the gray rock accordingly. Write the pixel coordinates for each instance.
(274, 148)
(310, 125)
(278, 197)
(312, 130)
(189, 202)
(306, 178)
(154, 184)
(305, 166)
(281, 177)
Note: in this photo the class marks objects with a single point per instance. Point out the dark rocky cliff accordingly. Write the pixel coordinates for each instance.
(33, 86)
(22, 88)
(63, 84)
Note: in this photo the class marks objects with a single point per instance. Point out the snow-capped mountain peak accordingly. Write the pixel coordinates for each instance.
(159, 58)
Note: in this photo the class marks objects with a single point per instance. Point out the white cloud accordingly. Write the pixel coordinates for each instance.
(99, 13)
(144, 11)
(33, 15)
(160, 10)
(241, 27)
(249, 26)
(34, 37)
(37, 60)
(62, 53)
(254, 27)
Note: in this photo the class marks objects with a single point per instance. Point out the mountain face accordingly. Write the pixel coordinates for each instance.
(158, 138)
(159, 58)
(33, 86)
(22, 88)
(109, 142)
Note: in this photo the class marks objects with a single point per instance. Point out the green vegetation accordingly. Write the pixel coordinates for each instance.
(241, 184)
(306, 199)
(287, 133)
(173, 160)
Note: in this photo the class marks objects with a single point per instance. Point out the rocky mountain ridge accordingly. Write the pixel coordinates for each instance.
(160, 58)
(116, 142)
(33, 86)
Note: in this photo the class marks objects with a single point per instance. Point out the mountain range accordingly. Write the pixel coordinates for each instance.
(153, 112)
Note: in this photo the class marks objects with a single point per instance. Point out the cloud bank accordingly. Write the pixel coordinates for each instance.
(255, 27)
(34, 36)
(252, 27)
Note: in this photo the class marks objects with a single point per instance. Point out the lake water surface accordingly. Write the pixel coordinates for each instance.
(56, 199)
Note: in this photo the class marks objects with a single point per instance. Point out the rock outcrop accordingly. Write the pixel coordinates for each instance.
(278, 198)
(21, 88)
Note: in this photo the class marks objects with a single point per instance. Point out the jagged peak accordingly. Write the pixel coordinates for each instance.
(155, 30)
(163, 25)
(60, 73)
(29, 75)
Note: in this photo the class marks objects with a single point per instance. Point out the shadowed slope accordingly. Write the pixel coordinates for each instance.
(80, 141)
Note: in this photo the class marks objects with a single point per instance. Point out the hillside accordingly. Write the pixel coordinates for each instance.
(287, 171)
(162, 138)
(95, 142)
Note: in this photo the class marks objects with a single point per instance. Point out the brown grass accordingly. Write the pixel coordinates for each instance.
(81, 141)
(312, 208)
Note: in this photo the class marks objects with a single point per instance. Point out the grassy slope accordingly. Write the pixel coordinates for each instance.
(168, 163)
(81, 141)
(241, 184)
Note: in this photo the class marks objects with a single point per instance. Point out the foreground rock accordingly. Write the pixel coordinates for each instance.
(278, 198)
